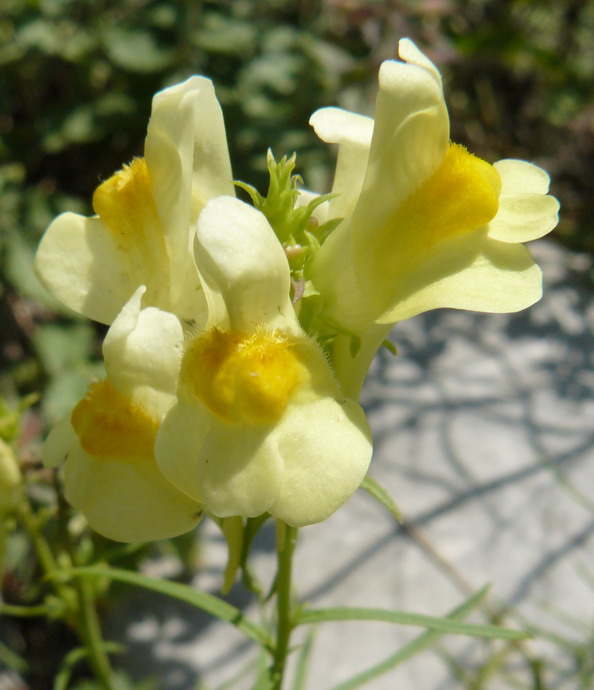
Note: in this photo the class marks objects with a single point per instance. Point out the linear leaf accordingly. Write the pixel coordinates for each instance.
(444, 625)
(414, 647)
(380, 494)
(202, 600)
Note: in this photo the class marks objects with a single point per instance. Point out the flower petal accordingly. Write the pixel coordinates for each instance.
(243, 267)
(524, 217)
(187, 156)
(410, 136)
(410, 141)
(142, 352)
(326, 448)
(470, 272)
(520, 177)
(231, 469)
(409, 52)
(353, 133)
(338, 126)
(80, 264)
(127, 499)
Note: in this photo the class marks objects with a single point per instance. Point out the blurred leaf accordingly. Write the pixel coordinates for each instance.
(135, 49)
(414, 647)
(444, 625)
(220, 34)
(61, 348)
(202, 600)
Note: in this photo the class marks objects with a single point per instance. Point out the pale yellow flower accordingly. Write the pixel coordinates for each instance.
(146, 214)
(260, 423)
(110, 472)
(426, 223)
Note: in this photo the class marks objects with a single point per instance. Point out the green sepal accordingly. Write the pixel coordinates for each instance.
(233, 530)
(389, 345)
(252, 527)
(292, 224)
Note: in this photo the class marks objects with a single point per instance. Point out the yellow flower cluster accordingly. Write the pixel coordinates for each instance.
(219, 396)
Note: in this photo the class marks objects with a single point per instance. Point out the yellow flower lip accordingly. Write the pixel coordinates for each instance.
(462, 195)
(126, 205)
(243, 378)
(111, 424)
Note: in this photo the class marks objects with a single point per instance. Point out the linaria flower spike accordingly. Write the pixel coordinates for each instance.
(426, 223)
(260, 423)
(146, 215)
(110, 472)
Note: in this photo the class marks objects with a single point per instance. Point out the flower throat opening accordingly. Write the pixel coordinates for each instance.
(243, 378)
(110, 424)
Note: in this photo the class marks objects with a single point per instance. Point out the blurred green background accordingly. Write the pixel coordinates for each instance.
(77, 78)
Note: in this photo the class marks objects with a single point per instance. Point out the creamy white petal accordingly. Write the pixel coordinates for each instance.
(523, 217)
(80, 264)
(244, 268)
(178, 445)
(238, 471)
(353, 133)
(142, 352)
(473, 273)
(187, 156)
(409, 52)
(229, 468)
(127, 499)
(326, 447)
(411, 132)
(338, 126)
(520, 177)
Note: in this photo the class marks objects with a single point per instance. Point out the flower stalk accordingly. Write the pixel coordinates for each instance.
(286, 542)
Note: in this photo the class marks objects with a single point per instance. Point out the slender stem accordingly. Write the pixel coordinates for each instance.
(88, 625)
(286, 540)
(82, 608)
(90, 631)
(42, 549)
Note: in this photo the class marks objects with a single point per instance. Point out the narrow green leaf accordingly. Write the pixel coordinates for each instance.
(10, 659)
(415, 619)
(380, 494)
(63, 676)
(303, 658)
(74, 657)
(202, 600)
(414, 647)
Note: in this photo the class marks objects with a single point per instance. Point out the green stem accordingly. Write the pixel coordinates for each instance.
(44, 554)
(88, 625)
(286, 540)
(82, 608)
(90, 631)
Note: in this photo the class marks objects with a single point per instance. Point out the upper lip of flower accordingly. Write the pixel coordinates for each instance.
(146, 215)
